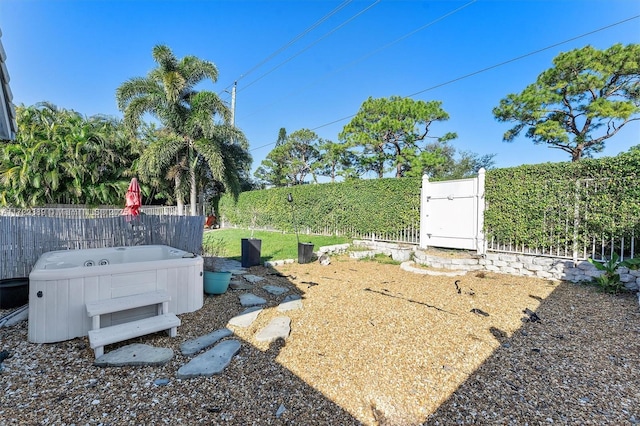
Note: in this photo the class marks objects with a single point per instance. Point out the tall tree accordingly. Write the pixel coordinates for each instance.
(271, 169)
(282, 136)
(291, 162)
(335, 159)
(389, 130)
(585, 99)
(196, 124)
(440, 160)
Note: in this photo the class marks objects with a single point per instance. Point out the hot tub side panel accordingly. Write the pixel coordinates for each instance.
(185, 286)
(57, 307)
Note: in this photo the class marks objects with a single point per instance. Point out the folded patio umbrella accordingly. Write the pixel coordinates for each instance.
(132, 199)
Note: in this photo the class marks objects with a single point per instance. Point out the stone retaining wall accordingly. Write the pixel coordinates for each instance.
(515, 264)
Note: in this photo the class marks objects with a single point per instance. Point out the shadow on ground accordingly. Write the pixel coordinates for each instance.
(574, 362)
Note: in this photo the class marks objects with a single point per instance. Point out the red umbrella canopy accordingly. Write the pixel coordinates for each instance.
(133, 199)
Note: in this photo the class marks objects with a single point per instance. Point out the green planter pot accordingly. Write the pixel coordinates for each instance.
(216, 282)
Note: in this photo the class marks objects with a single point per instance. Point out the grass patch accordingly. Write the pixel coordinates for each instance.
(274, 246)
(381, 258)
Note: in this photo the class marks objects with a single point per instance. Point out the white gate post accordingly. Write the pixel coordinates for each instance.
(481, 244)
(424, 199)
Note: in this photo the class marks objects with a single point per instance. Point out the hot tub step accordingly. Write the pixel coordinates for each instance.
(118, 333)
(117, 304)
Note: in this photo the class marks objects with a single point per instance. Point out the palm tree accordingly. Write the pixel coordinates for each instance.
(59, 156)
(196, 129)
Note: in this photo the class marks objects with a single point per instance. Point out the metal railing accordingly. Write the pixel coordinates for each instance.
(570, 224)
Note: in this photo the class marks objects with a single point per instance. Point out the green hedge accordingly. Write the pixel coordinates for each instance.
(364, 206)
(535, 204)
(532, 205)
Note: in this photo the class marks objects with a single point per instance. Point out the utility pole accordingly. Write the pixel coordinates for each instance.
(233, 104)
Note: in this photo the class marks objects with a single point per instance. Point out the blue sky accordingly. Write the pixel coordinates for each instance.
(76, 53)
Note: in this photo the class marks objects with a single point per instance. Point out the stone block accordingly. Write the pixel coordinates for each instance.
(626, 278)
(585, 266)
(464, 261)
(535, 267)
(546, 261)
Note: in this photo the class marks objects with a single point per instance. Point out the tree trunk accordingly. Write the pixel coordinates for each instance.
(193, 195)
(576, 154)
(179, 202)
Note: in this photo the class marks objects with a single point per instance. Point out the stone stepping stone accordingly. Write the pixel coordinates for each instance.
(253, 278)
(238, 271)
(211, 362)
(275, 289)
(229, 264)
(135, 354)
(279, 327)
(290, 303)
(194, 346)
(250, 299)
(239, 285)
(246, 317)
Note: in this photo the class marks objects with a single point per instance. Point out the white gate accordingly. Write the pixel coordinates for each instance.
(452, 213)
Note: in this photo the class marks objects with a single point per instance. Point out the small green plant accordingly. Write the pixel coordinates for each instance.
(214, 247)
(381, 258)
(609, 280)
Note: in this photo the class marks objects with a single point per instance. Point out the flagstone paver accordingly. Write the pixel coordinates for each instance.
(246, 317)
(279, 327)
(290, 303)
(135, 354)
(240, 285)
(250, 299)
(194, 346)
(275, 290)
(210, 362)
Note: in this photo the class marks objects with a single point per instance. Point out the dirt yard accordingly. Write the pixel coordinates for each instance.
(372, 345)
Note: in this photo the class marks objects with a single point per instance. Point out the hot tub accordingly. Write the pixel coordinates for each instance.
(62, 282)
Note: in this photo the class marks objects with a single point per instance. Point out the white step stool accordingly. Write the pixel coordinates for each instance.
(100, 337)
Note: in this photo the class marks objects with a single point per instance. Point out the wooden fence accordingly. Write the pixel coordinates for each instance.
(23, 239)
(83, 212)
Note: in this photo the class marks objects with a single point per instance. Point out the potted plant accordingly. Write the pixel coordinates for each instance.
(216, 282)
(250, 247)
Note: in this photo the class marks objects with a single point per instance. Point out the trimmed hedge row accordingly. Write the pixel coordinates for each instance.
(533, 203)
(527, 205)
(379, 205)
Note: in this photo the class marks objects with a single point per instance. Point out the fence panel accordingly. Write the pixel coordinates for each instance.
(23, 239)
(574, 225)
(452, 213)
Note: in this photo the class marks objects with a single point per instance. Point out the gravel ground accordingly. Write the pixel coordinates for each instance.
(373, 345)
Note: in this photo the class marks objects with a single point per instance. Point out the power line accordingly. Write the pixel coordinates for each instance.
(311, 45)
(362, 58)
(493, 66)
(517, 58)
(296, 38)
(291, 42)
(522, 56)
